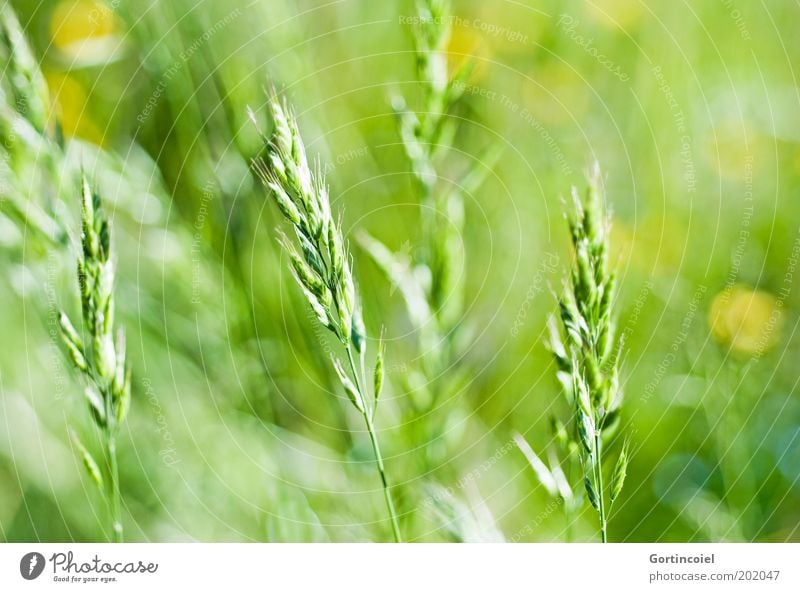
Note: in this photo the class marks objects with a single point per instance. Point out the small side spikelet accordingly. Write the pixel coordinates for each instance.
(349, 387)
(620, 472)
(73, 342)
(92, 469)
(591, 493)
(378, 372)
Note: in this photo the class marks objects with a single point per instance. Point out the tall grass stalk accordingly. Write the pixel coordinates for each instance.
(100, 354)
(590, 350)
(31, 150)
(34, 174)
(587, 359)
(321, 264)
(432, 279)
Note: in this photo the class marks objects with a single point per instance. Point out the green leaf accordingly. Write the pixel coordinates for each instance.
(541, 471)
(398, 270)
(478, 174)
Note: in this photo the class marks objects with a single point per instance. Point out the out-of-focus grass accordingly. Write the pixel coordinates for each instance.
(235, 431)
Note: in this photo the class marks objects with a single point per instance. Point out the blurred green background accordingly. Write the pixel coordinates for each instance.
(237, 430)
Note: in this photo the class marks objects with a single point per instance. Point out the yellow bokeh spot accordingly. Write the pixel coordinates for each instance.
(70, 102)
(623, 250)
(615, 13)
(465, 43)
(84, 29)
(510, 32)
(556, 94)
(747, 320)
(667, 240)
(656, 245)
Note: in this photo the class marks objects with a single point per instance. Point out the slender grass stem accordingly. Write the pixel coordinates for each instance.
(353, 369)
(384, 482)
(373, 437)
(114, 494)
(598, 445)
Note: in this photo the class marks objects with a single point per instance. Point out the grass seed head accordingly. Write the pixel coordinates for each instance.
(104, 364)
(586, 362)
(321, 265)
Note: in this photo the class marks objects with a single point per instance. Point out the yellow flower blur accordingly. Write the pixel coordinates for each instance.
(748, 320)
